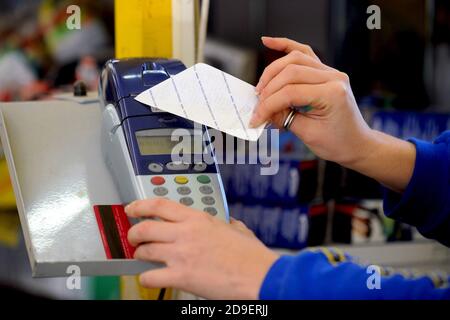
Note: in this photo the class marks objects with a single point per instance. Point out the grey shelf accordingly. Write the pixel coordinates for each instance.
(421, 255)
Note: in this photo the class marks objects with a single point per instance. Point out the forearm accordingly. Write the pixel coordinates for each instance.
(324, 273)
(386, 159)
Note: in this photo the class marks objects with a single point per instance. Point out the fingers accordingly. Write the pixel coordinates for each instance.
(158, 208)
(157, 252)
(288, 45)
(158, 278)
(298, 54)
(240, 226)
(278, 119)
(295, 74)
(290, 95)
(152, 231)
(237, 224)
(294, 57)
(302, 125)
(299, 125)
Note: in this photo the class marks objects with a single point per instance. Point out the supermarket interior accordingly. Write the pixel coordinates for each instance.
(57, 194)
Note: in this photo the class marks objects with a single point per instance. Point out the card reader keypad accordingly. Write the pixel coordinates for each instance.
(200, 191)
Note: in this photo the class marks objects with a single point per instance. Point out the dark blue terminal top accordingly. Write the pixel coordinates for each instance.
(327, 273)
(122, 80)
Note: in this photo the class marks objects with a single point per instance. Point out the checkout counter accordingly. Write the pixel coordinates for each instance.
(71, 154)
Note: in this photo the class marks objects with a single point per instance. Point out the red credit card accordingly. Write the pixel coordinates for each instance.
(113, 224)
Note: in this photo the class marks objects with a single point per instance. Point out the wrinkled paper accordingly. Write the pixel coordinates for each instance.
(207, 96)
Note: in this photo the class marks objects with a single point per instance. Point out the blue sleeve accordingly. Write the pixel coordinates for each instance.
(425, 202)
(324, 274)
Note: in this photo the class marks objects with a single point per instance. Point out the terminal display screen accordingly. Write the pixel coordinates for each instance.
(150, 144)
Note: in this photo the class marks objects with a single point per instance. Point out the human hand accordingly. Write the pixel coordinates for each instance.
(334, 129)
(203, 255)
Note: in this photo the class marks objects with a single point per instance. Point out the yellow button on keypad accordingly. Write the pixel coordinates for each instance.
(181, 179)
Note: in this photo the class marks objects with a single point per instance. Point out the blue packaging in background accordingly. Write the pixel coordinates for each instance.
(270, 205)
(275, 226)
(244, 183)
(404, 125)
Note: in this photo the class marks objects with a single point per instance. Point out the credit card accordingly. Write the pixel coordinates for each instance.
(113, 225)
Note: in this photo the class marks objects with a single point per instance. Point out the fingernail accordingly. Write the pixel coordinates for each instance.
(258, 87)
(128, 207)
(254, 121)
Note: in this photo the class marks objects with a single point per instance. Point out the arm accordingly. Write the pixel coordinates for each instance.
(214, 260)
(329, 274)
(386, 159)
(424, 202)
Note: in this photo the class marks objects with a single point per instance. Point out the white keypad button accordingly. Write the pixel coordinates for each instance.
(209, 201)
(160, 191)
(177, 166)
(211, 210)
(187, 201)
(206, 189)
(155, 167)
(184, 190)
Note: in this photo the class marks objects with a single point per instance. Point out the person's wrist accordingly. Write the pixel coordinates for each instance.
(253, 282)
(362, 151)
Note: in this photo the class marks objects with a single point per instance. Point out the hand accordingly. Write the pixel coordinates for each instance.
(203, 255)
(334, 129)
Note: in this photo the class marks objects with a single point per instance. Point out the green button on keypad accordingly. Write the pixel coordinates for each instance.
(203, 179)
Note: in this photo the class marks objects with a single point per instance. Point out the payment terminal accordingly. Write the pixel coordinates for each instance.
(137, 142)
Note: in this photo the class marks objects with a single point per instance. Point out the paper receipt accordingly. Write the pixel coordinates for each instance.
(207, 96)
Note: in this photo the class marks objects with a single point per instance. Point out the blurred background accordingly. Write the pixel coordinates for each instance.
(400, 75)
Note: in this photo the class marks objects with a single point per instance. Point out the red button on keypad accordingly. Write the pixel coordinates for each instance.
(157, 181)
